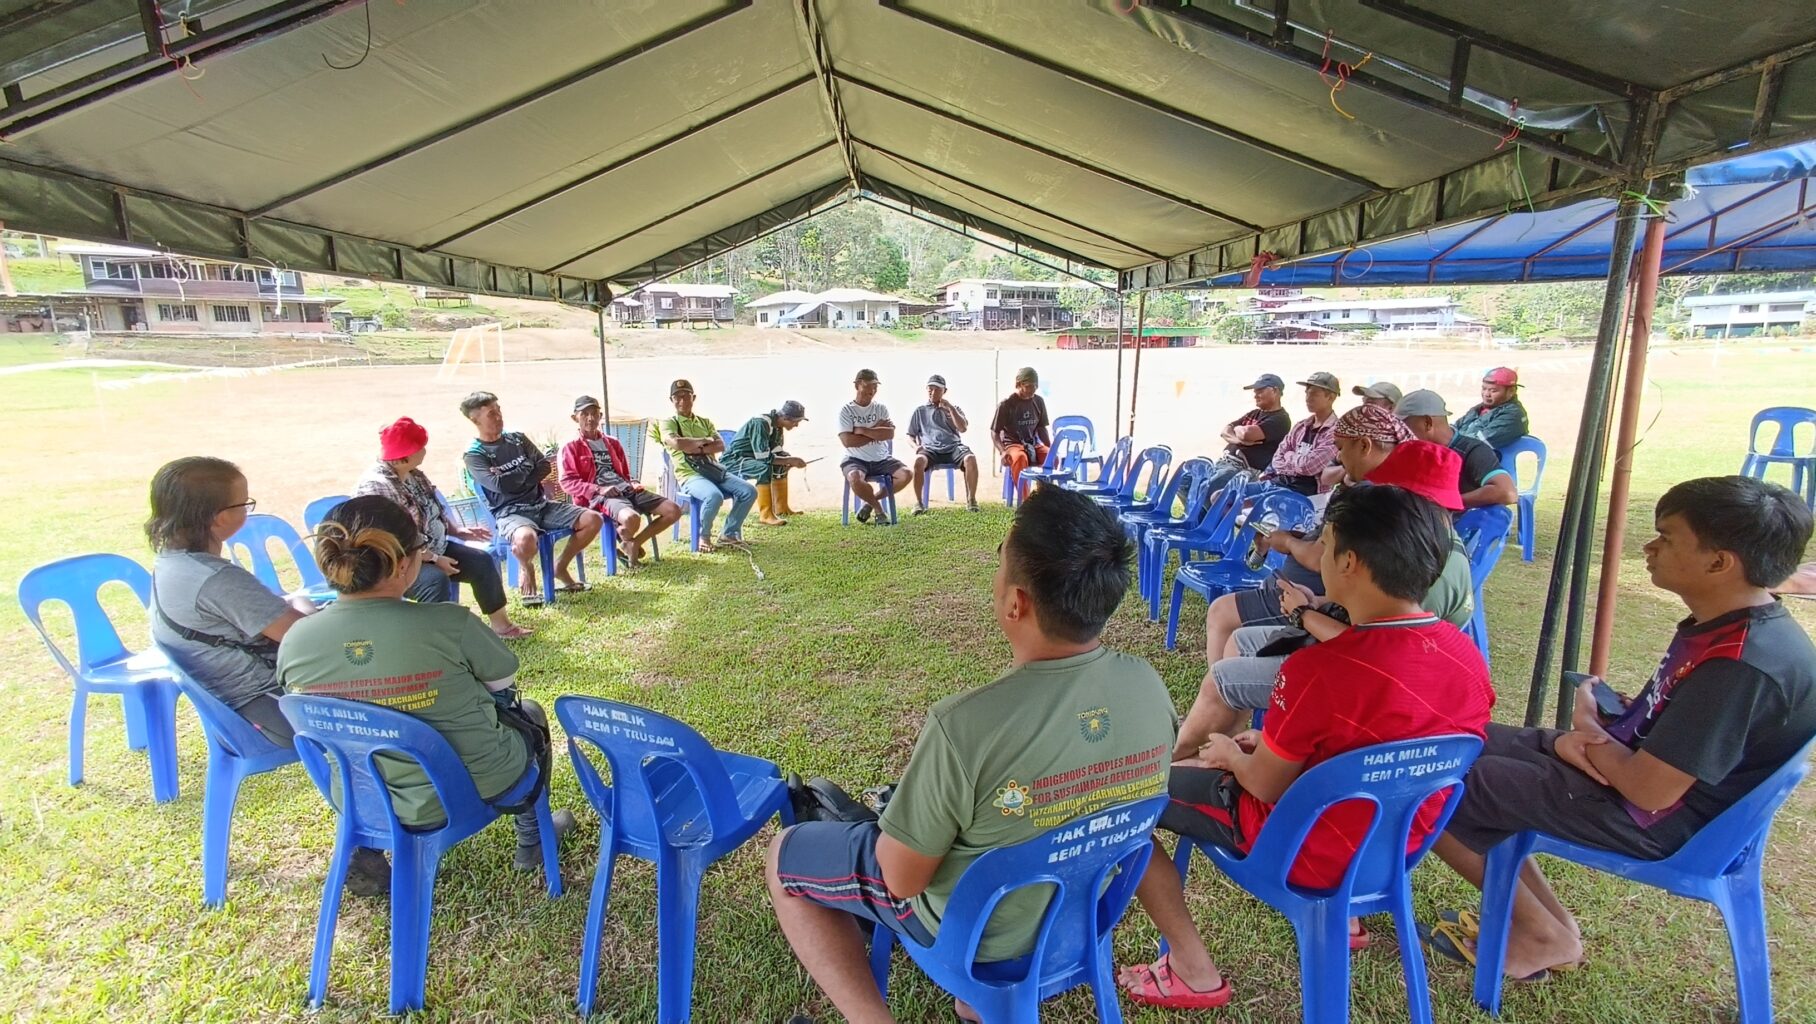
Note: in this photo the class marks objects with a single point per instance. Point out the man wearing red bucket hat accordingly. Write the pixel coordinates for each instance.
(1500, 419)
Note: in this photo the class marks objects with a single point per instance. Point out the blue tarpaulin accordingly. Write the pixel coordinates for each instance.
(1752, 213)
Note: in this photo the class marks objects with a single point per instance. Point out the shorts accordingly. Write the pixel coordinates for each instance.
(550, 515)
(946, 456)
(871, 467)
(1260, 606)
(833, 864)
(1203, 804)
(1518, 784)
(1246, 682)
(644, 503)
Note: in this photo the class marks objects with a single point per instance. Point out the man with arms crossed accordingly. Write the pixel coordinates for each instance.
(1254, 436)
(865, 430)
(507, 471)
(935, 429)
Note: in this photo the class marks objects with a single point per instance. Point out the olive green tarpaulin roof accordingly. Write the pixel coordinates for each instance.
(554, 148)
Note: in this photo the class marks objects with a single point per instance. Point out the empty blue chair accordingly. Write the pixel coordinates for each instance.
(1484, 535)
(1109, 477)
(1090, 891)
(674, 801)
(317, 510)
(255, 540)
(338, 738)
(1719, 865)
(1212, 531)
(1285, 509)
(1179, 486)
(849, 503)
(690, 506)
(1784, 449)
(1064, 458)
(1089, 455)
(1132, 496)
(1397, 778)
(143, 680)
(1528, 489)
(236, 752)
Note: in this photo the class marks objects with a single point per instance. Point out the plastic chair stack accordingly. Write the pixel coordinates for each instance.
(1072, 946)
(1397, 778)
(1065, 457)
(1131, 496)
(1529, 490)
(1719, 865)
(255, 539)
(368, 819)
(1285, 509)
(236, 752)
(1785, 450)
(103, 664)
(317, 510)
(1213, 530)
(675, 801)
(1484, 535)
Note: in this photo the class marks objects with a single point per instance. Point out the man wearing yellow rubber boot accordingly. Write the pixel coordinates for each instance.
(756, 454)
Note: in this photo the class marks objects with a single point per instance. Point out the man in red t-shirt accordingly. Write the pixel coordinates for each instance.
(1398, 673)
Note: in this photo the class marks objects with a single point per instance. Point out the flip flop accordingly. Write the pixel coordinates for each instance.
(571, 588)
(530, 600)
(1159, 987)
(1464, 921)
(1361, 939)
(1446, 939)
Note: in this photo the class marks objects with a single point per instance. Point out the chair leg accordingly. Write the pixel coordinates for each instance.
(412, 902)
(330, 912)
(1104, 990)
(1499, 880)
(1412, 958)
(220, 793)
(1173, 612)
(157, 703)
(595, 920)
(551, 853)
(78, 731)
(1323, 935)
(608, 540)
(677, 921)
(136, 738)
(1742, 904)
(545, 560)
(882, 944)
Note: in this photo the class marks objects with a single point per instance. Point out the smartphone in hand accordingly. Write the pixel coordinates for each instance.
(1608, 704)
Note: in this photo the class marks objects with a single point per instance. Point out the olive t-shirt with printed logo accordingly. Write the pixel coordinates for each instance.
(1046, 743)
(431, 661)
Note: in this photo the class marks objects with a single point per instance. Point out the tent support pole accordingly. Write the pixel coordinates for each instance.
(1141, 320)
(1117, 418)
(1585, 470)
(605, 377)
(1614, 538)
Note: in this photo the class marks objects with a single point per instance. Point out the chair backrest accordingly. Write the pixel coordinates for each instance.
(1484, 535)
(256, 537)
(671, 485)
(1152, 461)
(1284, 509)
(1216, 525)
(1786, 418)
(669, 782)
(1116, 463)
(1077, 423)
(1528, 487)
(1397, 778)
(338, 738)
(1086, 901)
(317, 510)
(1185, 483)
(1736, 833)
(77, 582)
(222, 724)
(1070, 446)
(727, 436)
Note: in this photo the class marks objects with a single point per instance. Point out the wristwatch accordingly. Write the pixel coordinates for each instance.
(1296, 617)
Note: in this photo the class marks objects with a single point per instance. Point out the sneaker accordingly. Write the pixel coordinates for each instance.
(864, 514)
(369, 873)
(529, 858)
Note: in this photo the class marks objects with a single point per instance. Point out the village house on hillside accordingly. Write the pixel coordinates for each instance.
(1745, 315)
(146, 290)
(663, 303)
(995, 304)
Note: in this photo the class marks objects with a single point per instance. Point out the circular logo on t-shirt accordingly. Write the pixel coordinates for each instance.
(1013, 799)
(1094, 724)
(359, 652)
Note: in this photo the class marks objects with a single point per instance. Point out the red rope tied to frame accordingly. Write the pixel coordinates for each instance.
(1261, 262)
(1342, 77)
(1514, 122)
(184, 63)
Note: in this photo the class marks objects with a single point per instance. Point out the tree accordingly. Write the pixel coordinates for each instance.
(1234, 330)
(890, 274)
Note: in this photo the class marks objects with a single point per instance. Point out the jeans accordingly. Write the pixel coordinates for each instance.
(711, 496)
(477, 570)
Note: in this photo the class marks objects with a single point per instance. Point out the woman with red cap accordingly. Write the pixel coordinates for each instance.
(398, 476)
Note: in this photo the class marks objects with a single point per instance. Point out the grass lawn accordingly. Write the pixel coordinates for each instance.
(825, 667)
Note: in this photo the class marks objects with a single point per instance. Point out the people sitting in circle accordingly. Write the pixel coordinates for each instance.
(1733, 699)
(991, 763)
(1020, 429)
(1255, 436)
(700, 475)
(216, 620)
(434, 662)
(1240, 674)
(507, 470)
(596, 473)
(1483, 481)
(1397, 673)
(866, 431)
(398, 475)
(1304, 460)
(1382, 393)
(756, 454)
(937, 430)
(1500, 419)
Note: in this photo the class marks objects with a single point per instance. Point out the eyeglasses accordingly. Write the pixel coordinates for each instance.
(250, 505)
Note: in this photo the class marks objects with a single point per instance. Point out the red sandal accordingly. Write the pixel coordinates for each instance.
(1158, 986)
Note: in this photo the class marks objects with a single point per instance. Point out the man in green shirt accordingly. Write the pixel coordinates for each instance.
(1071, 728)
(756, 454)
(695, 443)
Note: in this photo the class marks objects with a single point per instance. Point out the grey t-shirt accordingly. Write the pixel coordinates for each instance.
(604, 476)
(933, 427)
(208, 594)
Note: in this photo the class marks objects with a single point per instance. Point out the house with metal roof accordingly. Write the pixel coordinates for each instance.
(1747, 314)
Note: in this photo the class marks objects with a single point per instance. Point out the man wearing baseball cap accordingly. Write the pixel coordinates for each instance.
(597, 475)
(1310, 448)
(866, 431)
(1483, 481)
(1500, 419)
(698, 472)
(936, 429)
(756, 454)
(1383, 393)
(1020, 428)
(507, 470)
(1254, 436)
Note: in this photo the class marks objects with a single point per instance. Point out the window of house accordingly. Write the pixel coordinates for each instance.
(860, 314)
(668, 303)
(231, 314)
(177, 311)
(1787, 307)
(1751, 307)
(991, 294)
(97, 267)
(762, 318)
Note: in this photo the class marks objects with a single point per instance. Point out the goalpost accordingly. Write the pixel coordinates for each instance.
(483, 343)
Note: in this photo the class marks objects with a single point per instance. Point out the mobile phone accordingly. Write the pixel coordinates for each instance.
(1607, 703)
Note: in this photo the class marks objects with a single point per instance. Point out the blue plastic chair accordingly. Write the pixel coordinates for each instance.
(143, 680)
(329, 750)
(1065, 457)
(847, 504)
(545, 552)
(674, 801)
(254, 540)
(1529, 490)
(1484, 535)
(1784, 450)
(1212, 531)
(1286, 509)
(690, 506)
(1180, 484)
(1397, 778)
(1109, 477)
(952, 473)
(1075, 422)
(317, 510)
(236, 752)
(1131, 496)
(1090, 891)
(1719, 865)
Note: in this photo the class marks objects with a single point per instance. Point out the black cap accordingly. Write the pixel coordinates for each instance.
(679, 386)
(1266, 380)
(936, 381)
(792, 410)
(866, 374)
(585, 402)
